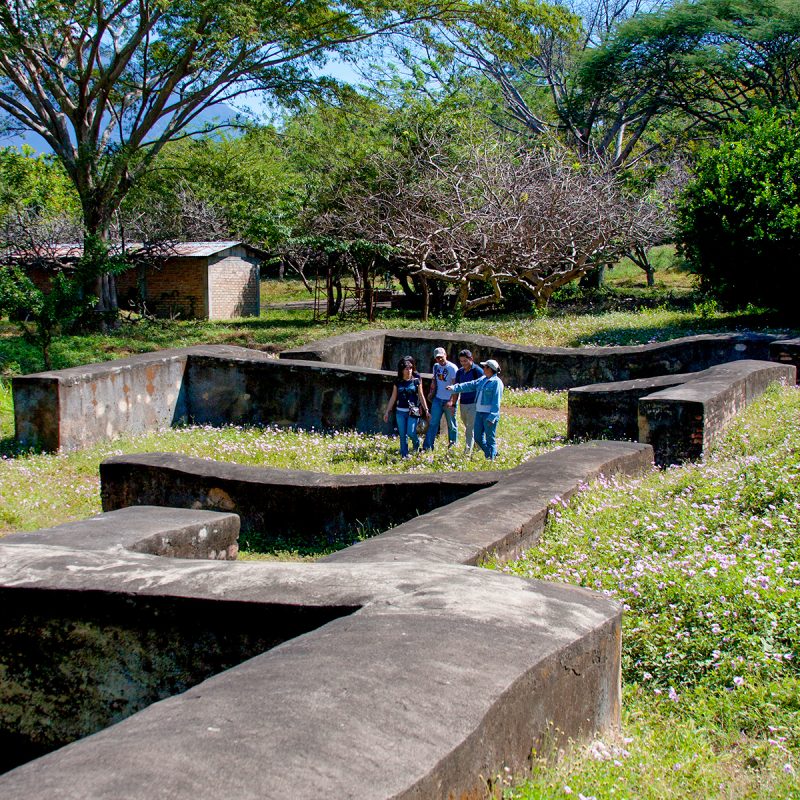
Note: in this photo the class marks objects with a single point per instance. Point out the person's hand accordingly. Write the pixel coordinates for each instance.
(427, 414)
(386, 417)
(450, 387)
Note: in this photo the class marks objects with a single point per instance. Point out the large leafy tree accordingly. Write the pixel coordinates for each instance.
(108, 83)
(739, 218)
(712, 61)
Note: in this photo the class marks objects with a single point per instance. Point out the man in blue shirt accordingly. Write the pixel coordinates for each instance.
(489, 394)
(441, 399)
(466, 402)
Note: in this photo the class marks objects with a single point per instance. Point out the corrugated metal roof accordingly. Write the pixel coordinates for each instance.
(199, 249)
(74, 250)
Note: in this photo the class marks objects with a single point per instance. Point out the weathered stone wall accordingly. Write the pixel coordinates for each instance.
(233, 286)
(786, 351)
(364, 349)
(219, 385)
(74, 408)
(549, 367)
(213, 385)
(74, 663)
(679, 415)
(442, 674)
(276, 504)
(259, 391)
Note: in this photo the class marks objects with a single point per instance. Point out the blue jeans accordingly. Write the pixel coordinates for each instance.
(485, 431)
(407, 427)
(438, 408)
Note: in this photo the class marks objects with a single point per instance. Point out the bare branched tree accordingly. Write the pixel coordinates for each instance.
(492, 218)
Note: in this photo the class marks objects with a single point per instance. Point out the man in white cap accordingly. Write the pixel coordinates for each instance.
(441, 400)
(488, 396)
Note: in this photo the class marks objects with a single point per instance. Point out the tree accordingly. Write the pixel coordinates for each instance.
(532, 51)
(712, 61)
(493, 218)
(739, 218)
(108, 84)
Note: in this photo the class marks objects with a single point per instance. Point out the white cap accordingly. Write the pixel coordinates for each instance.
(440, 351)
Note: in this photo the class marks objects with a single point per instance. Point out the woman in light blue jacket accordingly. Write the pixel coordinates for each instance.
(489, 390)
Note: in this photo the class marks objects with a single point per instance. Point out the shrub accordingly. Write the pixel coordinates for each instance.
(739, 218)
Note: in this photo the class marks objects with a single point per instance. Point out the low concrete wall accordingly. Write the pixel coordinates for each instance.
(361, 349)
(341, 386)
(213, 385)
(471, 514)
(682, 422)
(679, 415)
(611, 410)
(506, 519)
(551, 367)
(73, 408)
(786, 351)
(251, 390)
(283, 504)
(171, 532)
(411, 680)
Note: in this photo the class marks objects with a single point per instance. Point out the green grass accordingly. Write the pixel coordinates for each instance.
(288, 290)
(706, 560)
(281, 329)
(670, 272)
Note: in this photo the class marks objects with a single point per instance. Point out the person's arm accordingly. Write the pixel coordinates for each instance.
(451, 401)
(464, 387)
(422, 403)
(392, 401)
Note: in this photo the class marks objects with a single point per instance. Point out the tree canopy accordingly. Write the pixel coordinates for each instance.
(108, 84)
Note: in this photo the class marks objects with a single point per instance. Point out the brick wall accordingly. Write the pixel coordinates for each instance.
(233, 286)
(175, 289)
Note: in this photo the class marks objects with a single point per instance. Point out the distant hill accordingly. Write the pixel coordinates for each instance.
(216, 114)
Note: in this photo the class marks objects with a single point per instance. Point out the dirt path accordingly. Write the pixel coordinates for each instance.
(545, 414)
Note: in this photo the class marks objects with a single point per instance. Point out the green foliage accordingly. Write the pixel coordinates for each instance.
(713, 60)
(739, 219)
(34, 183)
(248, 179)
(43, 312)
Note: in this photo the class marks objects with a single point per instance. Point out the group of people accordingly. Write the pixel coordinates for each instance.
(476, 391)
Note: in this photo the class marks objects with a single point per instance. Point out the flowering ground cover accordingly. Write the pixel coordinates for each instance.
(39, 490)
(706, 561)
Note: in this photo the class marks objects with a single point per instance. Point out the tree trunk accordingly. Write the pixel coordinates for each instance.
(594, 279)
(369, 293)
(426, 298)
(95, 256)
(640, 257)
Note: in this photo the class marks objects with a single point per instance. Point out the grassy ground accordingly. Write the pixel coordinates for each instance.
(671, 272)
(39, 490)
(288, 290)
(706, 560)
(606, 319)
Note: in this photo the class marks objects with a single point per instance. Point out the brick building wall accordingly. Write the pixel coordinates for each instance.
(177, 288)
(233, 285)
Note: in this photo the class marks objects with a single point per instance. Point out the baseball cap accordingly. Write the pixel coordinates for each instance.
(492, 364)
(439, 351)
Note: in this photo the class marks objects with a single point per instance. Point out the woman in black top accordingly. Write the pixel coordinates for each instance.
(408, 401)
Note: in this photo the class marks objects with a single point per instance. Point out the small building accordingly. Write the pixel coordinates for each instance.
(197, 280)
(183, 280)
